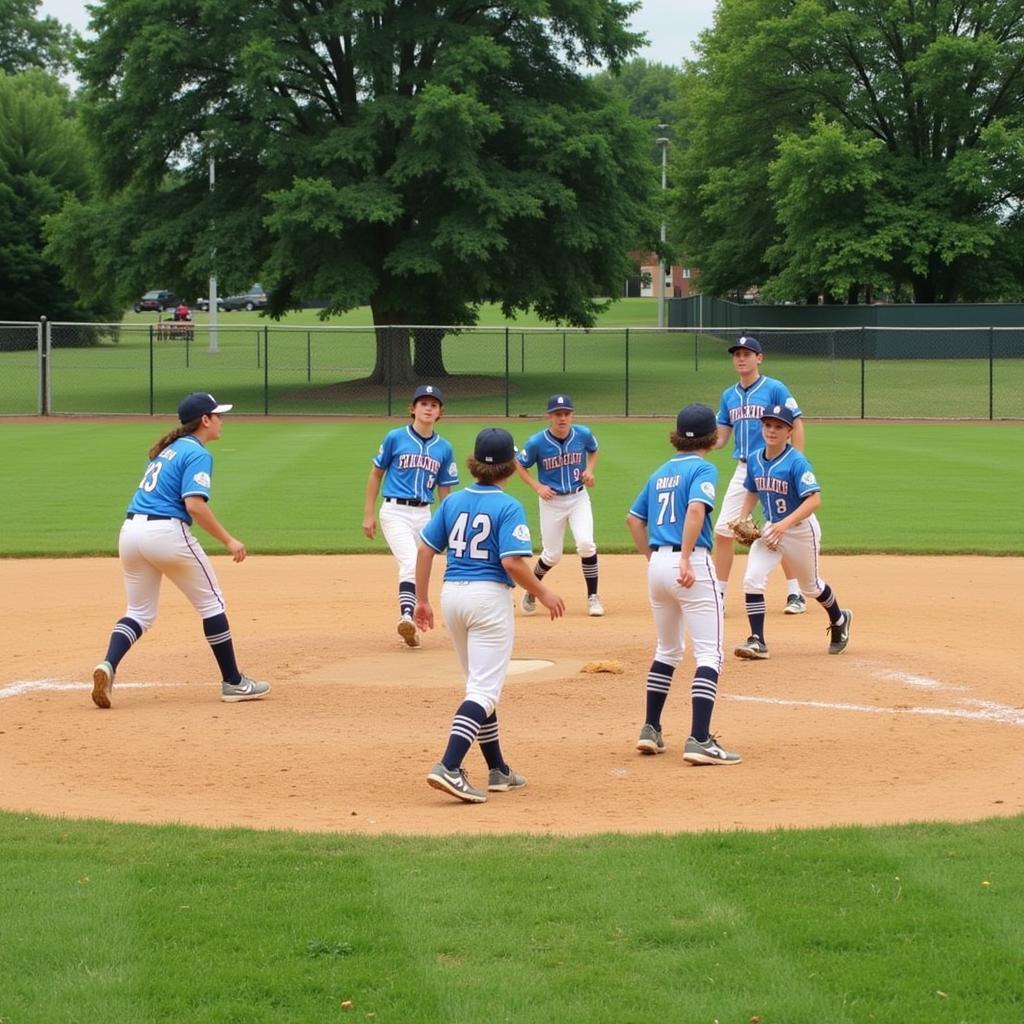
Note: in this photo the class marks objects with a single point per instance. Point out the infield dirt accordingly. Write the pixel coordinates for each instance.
(920, 719)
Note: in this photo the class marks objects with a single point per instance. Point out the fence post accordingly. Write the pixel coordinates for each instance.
(863, 343)
(389, 359)
(257, 349)
(266, 370)
(522, 352)
(42, 336)
(309, 359)
(991, 376)
(187, 350)
(506, 373)
(563, 351)
(627, 372)
(151, 406)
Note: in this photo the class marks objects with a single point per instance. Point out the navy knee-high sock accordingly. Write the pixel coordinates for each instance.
(541, 569)
(828, 600)
(218, 636)
(406, 598)
(489, 745)
(659, 682)
(703, 691)
(590, 574)
(465, 726)
(756, 608)
(124, 634)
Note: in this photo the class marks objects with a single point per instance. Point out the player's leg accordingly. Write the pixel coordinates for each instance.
(760, 562)
(184, 562)
(668, 652)
(553, 516)
(581, 522)
(401, 525)
(142, 592)
(702, 613)
(805, 540)
(725, 546)
(796, 603)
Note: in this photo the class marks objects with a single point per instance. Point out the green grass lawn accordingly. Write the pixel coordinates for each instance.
(130, 925)
(298, 486)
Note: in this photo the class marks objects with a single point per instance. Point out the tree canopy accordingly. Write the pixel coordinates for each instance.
(847, 147)
(28, 41)
(416, 158)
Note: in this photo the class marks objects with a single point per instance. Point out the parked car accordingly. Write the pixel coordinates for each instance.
(254, 298)
(156, 301)
(203, 304)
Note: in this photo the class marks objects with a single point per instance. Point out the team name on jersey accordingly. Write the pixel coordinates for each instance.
(770, 485)
(558, 461)
(746, 412)
(412, 461)
(168, 454)
(664, 483)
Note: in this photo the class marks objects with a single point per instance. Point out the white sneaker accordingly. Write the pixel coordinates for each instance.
(594, 606)
(407, 631)
(528, 604)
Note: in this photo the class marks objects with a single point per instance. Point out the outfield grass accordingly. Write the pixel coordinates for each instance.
(127, 925)
(298, 486)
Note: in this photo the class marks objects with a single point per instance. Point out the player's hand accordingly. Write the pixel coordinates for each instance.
(546, 493)
(772, 534)
(554, 604)
(423, 616)
(237, 549)
(588, 478)
(370, 526)
(686, 578)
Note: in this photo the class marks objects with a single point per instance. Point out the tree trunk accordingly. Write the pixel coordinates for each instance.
(428, 357)
(392, 364)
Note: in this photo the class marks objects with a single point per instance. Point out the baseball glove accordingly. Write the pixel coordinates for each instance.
(746, 531)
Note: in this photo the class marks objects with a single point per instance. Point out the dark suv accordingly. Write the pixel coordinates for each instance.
(156, 301)
(254, 298)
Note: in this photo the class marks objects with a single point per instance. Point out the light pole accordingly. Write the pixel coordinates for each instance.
(663, 142)
(213, 268)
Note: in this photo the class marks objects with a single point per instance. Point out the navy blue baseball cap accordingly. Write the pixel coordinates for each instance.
(428, 391)
(778, 412)
(696, 421)
(556, 402)
(199, 403)
(750, 344)
(494, 445)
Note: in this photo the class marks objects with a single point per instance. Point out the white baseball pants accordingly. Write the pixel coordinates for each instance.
(677, 610)
(556, 513)
(800, 546)
(401, 525)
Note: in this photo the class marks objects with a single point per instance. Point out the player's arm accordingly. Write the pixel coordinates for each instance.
(199, 509)
(638, 531)
(749, 501)
(370, 504)
(696, 513)
(722, 437)
(773, 532)
(524, 474)
(519, 570)
(424, 614)
(587, 476)
(442, 493)
(797, 438)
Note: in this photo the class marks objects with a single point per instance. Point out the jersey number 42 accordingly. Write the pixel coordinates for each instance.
(479, 530)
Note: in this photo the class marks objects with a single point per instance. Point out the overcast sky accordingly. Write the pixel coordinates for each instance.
(670, 25)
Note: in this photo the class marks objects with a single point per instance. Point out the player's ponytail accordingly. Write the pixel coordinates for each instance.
(171, 436)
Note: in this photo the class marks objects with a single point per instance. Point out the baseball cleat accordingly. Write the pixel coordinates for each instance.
(594, 606)
(650, 741)
(501, 782)
(708, 752)
(407, 631)
(102, 684)
(796, 604)
(754, 649)
(840, 635)
(244, 689)
(528, 604)
(455, 783)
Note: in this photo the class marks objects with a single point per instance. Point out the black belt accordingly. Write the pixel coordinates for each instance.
(408, 501)
(146, 515)
(564, 494)
(666, 547)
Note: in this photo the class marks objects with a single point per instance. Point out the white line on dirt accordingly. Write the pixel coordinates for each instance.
(22, 686)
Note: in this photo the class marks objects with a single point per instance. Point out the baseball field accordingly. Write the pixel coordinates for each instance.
(179, 859)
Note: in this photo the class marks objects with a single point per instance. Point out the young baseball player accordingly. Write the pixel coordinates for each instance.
(565, 455)
(739, 413)
(671, 525)
(783, 480)
(484, 532)
(156, 541)
(412, 461)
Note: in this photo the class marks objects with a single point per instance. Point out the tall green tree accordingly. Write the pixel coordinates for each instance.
(417, 158)
(41, 163)
(839, 145)
(28, 41)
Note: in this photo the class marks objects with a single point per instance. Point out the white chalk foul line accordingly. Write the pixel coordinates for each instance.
(23, 686)
(987, 711)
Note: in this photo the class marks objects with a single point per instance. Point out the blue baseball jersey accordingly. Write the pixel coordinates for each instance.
(560, 462)
(742, 408)
(479, 526)
(182, 469)
(781, 483)
(663, 502)
(414, 465)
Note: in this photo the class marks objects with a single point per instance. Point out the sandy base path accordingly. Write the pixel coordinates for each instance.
(920, 719)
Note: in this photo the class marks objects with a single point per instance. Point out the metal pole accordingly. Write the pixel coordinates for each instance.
(563, 351)
(991, 377)
(309, 359)
(506, 373)
(266, 370)
(388, 343)
(41, 408)
(627, 372)
(213, 272)
(863, 338)
(151, 406)
(663, 142)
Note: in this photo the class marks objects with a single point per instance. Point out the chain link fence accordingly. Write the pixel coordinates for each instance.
(275, 369)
